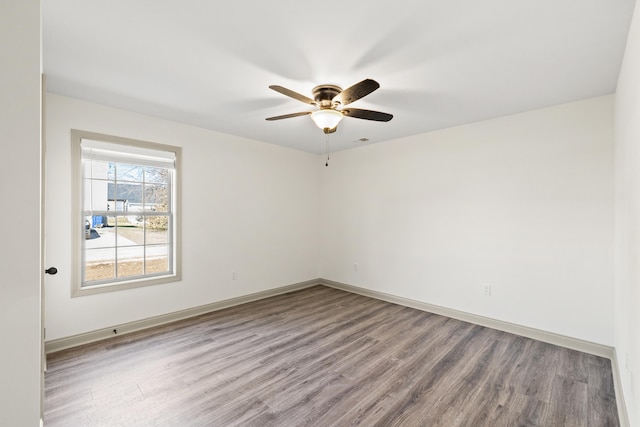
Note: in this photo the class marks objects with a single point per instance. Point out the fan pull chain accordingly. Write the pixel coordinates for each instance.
(327, 148)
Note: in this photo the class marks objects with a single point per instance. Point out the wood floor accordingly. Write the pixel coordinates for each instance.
(324, 357)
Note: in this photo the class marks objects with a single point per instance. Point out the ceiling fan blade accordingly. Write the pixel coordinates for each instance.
(288, 116)
(367, 114)
(292, 94)
(357, 91)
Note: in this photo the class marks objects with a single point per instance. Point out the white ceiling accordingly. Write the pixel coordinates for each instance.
(439, 63)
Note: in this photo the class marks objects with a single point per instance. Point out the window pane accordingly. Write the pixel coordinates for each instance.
(157, 259)
(157, 230)
(111, 171)
(156, 198)
(130, 261)
(128, 172)
(157, 223)
(86, 195)
(129, 233)
(86, 168)
(125, 196)
(99, 264)
(98, 237)
(95, 195)
(156, 175)
(96, 169)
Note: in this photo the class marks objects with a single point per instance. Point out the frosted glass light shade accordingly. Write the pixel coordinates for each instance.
(327, 118)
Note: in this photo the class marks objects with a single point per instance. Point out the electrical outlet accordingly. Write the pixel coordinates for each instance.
(234, 275)
(355, 267)
(486, 290)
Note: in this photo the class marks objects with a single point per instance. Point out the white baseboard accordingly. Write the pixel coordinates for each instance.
(549, 337)
(620, 400)
(101, 334)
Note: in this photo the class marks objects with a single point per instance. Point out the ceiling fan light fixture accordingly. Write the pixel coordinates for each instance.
(326, 119)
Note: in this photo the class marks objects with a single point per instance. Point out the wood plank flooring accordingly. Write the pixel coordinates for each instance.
(324, 357)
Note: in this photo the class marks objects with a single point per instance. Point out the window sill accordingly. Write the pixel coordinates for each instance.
(123, 285)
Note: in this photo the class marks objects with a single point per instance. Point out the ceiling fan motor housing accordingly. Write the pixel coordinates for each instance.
(324, 95)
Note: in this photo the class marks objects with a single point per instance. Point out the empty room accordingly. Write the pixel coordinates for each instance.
(291, 214)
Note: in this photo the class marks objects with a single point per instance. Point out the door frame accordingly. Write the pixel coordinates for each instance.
(43, 145)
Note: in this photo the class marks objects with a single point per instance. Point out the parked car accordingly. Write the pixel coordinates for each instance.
(90, 232)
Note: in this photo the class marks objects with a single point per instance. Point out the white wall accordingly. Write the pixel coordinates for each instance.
(523, 203)
(247, 206)
(20, 221)
(627, 288)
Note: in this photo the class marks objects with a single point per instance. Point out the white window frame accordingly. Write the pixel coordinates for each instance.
(129, 147)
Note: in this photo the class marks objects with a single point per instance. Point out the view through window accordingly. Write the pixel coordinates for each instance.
(128, 211)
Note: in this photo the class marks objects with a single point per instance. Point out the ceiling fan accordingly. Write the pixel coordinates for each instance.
(330, 100)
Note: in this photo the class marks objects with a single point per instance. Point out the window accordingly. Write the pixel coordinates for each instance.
(126, 228)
